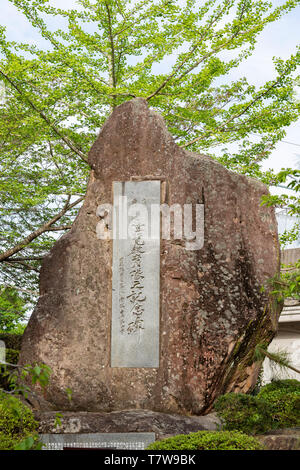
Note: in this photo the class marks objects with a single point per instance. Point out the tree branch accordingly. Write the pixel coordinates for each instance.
(58, 229)
(57, 131)
(234, 116)
(21, 265)
(45, 34)
(27, 258)
(179, 67)
(26, 291)
(111, 58)
(274, 359)
(217, 49)
(36, 233)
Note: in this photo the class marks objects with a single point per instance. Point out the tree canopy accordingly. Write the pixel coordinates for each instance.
(176, 54)
(12, 310)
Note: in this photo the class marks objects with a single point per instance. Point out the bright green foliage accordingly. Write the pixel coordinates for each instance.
(12, 310)
(286, 385)
(30, 443)
(245, 413)
(59, 93)
(208, 440)
(283, 396)
(17, 423)
(289, 178)
(37, 373)
(276, 406)
(18, 428)
(290, 236)
(15, 379)
(287, 284)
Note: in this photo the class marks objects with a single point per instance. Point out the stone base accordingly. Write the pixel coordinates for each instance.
(281, 439)
(162, 424)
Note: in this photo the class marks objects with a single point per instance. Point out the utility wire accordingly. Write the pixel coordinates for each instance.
(291, 143)
(281, 186)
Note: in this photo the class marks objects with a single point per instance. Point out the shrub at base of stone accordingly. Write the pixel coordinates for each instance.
(23, 442)
(16, 422)
(208, 440)
(283, 397)
(245, 413)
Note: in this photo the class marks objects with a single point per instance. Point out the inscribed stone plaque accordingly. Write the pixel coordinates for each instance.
(135, 274)
(121, 441)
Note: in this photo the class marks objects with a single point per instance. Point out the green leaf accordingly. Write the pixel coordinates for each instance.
(27, 444)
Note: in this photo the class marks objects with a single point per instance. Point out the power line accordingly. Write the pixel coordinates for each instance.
(283, 141)
(281, 186)
(291, 143)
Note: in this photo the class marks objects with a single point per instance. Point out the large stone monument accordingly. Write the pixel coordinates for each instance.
(154, 323)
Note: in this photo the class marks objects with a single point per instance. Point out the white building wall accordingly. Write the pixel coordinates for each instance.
(288, 336)
(287, 339)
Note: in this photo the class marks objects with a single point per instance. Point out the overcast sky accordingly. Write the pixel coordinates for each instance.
(278, 39)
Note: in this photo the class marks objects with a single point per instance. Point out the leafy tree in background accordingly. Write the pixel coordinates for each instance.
(59, 93)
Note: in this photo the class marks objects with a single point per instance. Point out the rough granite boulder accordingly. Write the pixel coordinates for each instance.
(212, 309)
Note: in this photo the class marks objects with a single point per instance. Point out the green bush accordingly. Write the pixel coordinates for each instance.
(17, 422)
(208, 440)
(246, 413)
(289, 385)
(28, 442)
(12, 356)
(12, 341)
(283, 397)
